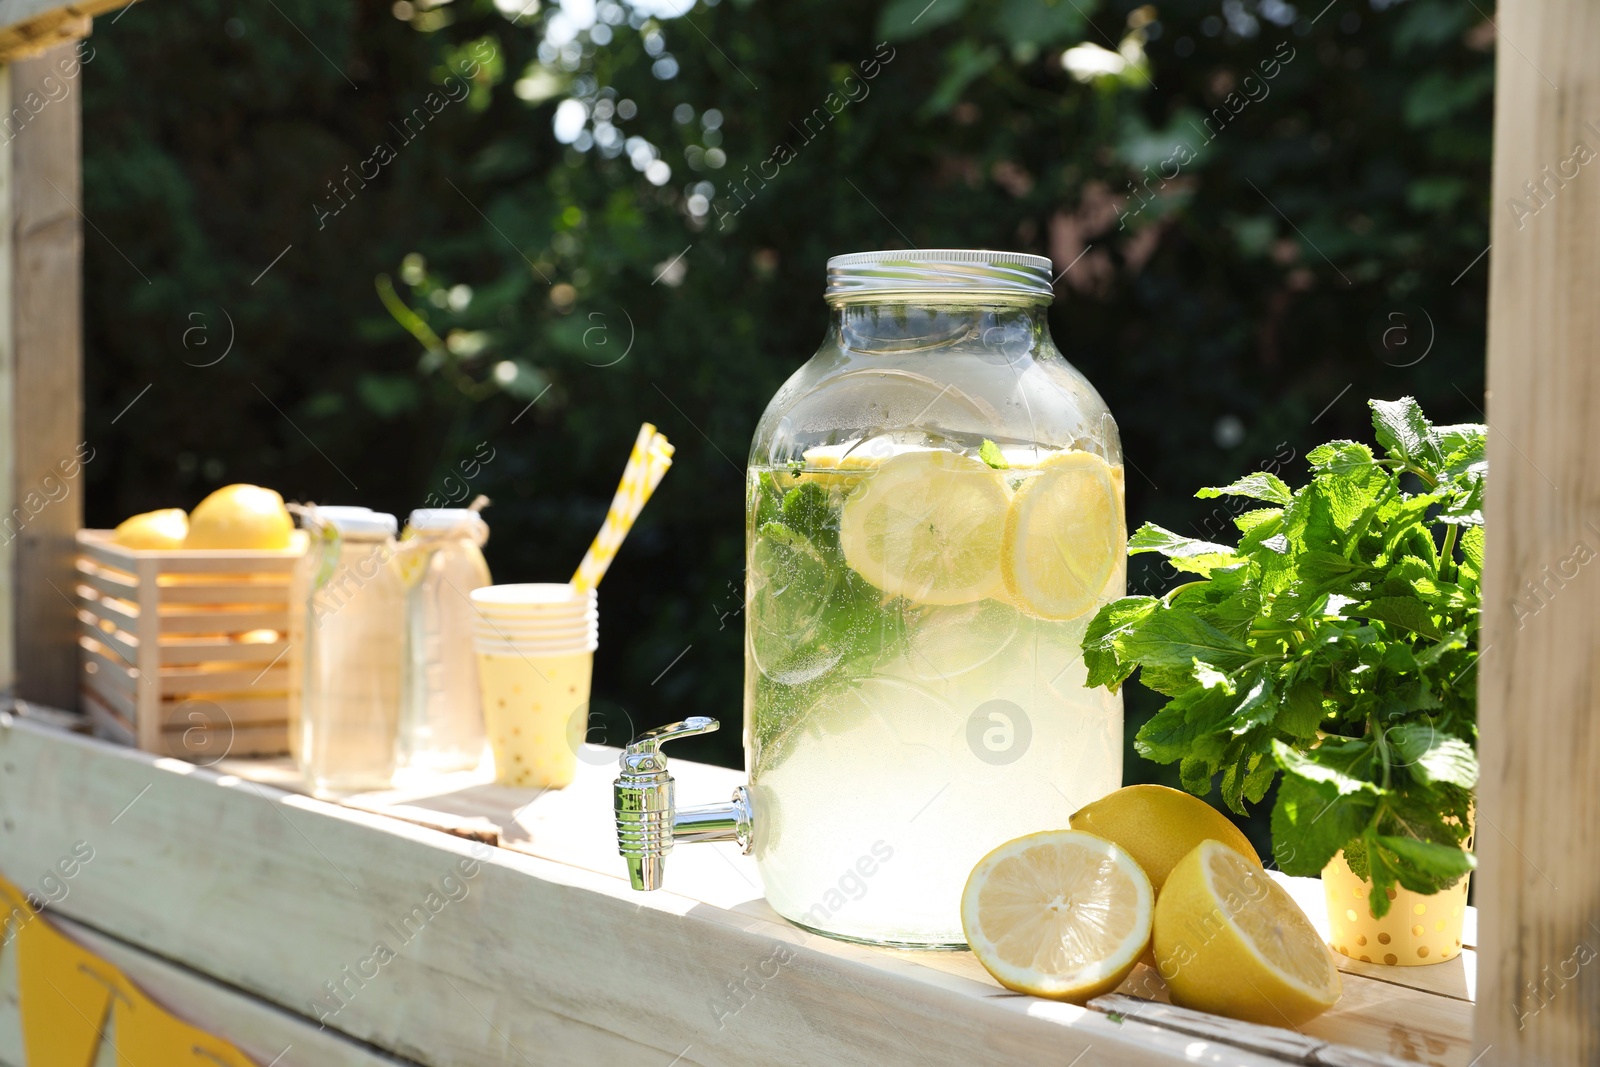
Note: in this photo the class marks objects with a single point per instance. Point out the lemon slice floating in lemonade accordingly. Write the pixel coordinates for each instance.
(1058, 914)
(1230, 940)
(927, 526)
(1064, 536)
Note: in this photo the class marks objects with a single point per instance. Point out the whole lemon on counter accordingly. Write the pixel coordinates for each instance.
(156, 530)
(240, 517)
(1158, 826)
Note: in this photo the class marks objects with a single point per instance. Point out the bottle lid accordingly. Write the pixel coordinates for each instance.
(443, 520)
(353, 521)
(939, 275)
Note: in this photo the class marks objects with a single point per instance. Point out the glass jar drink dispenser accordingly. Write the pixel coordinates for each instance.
(934, 514)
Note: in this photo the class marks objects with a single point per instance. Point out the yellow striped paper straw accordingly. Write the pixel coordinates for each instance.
(652, 455)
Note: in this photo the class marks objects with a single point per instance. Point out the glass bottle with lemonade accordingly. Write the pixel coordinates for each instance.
(934, 514)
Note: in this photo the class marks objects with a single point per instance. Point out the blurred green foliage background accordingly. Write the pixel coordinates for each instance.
(589, 224)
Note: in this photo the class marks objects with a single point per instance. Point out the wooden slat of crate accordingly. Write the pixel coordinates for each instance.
(225, 591)
(123, 703)
(118, 612)
(99, 546)
(107, 669)
(217, 651)
(219, 589)
(105, 581)
(239, 710)
(183, 680)
(117, 640)
(223, 622)
(107, 723)
(210, 744)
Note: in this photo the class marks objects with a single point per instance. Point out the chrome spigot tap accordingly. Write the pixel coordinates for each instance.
(648, 822)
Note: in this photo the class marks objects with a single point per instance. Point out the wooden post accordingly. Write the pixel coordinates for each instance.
(42, 368)
(1539, 815)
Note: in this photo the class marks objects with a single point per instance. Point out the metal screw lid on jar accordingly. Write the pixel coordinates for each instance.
(947, 275)
(357, 523)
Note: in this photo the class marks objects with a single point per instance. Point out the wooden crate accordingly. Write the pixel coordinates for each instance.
(162, 664)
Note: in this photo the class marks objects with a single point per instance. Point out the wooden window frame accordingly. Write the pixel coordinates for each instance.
(1539, 684)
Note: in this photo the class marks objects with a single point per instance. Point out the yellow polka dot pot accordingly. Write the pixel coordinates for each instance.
(1417, 930)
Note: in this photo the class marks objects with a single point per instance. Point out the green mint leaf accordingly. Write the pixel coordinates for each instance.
(1259, 485)
(1355, 855)
(769, 500)
(1301, 712)
(1259, 779)
(1250, 520)
(1323, 570)
(1340, 457)
(990, 453)
(1330, 764)
(1405, 433)
(1173, 638)
(1184, 553)
(1425, 866)
(1195, 774)
(1311, 822)
(1406, 617)
(1433, 756)
(1463, 446)
(1211, 678)
(805, 510)
(1257, 707)
(1188, 727)
(1465, 507)
(1101, 654)
(1471, 545)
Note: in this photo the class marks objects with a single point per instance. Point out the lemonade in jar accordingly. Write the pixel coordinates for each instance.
(934, 514)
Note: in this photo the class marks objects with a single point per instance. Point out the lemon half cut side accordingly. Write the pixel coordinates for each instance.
(1231, 941)
(1058, 914)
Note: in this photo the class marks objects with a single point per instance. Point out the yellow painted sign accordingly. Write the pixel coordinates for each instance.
(72, 1001)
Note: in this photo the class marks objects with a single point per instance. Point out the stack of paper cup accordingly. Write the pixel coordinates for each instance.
(535, 657)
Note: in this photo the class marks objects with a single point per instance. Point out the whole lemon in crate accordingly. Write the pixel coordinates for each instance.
(240, 517)
(156, 530)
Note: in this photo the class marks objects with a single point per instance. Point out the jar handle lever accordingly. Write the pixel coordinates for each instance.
(648, 821)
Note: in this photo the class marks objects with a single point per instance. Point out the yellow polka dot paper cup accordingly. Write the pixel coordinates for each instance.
(535, 647)
(1417, 930)
(529, 699)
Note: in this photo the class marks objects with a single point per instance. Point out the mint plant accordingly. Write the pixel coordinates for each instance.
(1334, 645)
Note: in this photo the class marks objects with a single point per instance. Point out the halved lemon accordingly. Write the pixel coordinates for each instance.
(1230, 940)
(1065, 536)
(1058, 914)
(1159, 825)
(928, 526)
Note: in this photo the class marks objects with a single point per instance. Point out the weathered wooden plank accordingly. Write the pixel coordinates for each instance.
(514, 958)
(1417, 1012)
(1539, 683)
(45, 507)
(261, 1030)
(1286, 1046)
